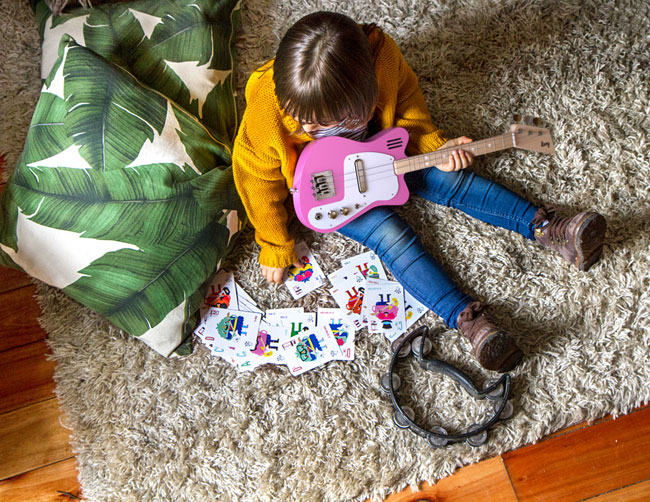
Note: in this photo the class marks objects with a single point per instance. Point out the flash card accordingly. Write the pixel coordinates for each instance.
(297, 323)
(279, 317)
(231, 333)
(246, 303)
(302, 281)
(348, 291)
(384, 304)
(342, 329)
(222, 293)
(309, 349)
(414, 309)
(267, 347)
(367, 264)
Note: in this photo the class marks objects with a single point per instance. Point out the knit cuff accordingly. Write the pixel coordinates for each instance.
(276, 257)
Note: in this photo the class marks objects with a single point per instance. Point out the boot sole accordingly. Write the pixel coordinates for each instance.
(589, 241)
(498, 352)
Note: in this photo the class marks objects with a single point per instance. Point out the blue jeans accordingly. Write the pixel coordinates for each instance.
(394, 241)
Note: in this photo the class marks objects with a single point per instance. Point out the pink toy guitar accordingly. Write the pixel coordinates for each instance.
(338, 179)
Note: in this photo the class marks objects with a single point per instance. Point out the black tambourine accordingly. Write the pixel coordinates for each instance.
(497, 391)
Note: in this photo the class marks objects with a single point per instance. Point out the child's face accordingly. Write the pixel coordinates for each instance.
(311, 127)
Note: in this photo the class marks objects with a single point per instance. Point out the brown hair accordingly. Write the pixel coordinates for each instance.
(324, 71)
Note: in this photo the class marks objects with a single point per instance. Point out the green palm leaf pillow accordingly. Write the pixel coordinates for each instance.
(181, 48)
(121, 198)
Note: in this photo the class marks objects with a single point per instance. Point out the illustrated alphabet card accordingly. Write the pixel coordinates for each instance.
(222, 293)
(231, 333)
(342, 329)
(414, 309)
(367, 264)
(267, 347)
(246, 303)
(310, 349)
(302, 281)
(385, 308)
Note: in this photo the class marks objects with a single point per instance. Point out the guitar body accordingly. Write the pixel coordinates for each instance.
(338, 179)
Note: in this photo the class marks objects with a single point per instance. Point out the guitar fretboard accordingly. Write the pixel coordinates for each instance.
(476, 148)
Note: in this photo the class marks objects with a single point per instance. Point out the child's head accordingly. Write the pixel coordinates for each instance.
(324, 73)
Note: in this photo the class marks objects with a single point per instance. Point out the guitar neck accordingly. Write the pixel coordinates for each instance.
(441, 156)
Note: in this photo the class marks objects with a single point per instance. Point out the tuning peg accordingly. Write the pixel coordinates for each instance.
(516, 117)
(537, 121)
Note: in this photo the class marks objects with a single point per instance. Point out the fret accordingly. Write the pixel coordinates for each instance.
(476, 148)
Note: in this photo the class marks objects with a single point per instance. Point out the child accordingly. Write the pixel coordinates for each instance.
(334, 77)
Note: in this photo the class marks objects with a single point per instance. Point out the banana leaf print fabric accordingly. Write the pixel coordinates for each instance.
(123, 196)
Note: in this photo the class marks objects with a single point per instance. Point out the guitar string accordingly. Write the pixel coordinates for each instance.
(420, 164)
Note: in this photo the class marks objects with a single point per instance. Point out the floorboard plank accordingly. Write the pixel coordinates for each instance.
(584, 463)
(44, 484)
(32, 437)
(27, 376)
(486, 481)
(18, 314)
(10, 278)
(639, 492)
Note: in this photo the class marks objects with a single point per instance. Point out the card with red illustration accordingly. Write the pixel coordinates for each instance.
(385, 308)
(342, 328)
(302, 281)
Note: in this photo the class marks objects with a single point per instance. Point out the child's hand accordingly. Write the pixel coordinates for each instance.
(275, 275)
(459, 159)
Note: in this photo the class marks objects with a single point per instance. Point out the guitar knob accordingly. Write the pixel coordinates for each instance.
(345, 211)
(333, 214)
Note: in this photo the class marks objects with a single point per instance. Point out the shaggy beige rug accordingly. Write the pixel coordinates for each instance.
(147, 428)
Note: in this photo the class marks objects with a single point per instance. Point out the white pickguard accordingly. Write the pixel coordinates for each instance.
(382, 184)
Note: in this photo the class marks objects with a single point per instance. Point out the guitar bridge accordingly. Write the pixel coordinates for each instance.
(323, 185)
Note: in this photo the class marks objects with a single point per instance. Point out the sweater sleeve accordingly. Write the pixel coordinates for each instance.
(411, 110)
(262, 186)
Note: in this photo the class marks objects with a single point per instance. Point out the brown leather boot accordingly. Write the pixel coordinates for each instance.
(493, 348)
(579, 239)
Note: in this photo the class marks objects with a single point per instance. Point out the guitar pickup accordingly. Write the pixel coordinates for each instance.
(361, 175)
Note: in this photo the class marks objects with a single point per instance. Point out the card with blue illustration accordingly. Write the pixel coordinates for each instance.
(342, 329)
(230, 333)
(309, 349)
(385, 308)
(302, 281)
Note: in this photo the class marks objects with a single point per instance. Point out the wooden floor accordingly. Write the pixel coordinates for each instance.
(604, 462)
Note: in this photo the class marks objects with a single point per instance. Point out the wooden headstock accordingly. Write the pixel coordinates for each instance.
(532, 137)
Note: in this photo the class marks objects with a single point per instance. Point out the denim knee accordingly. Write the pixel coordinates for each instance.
(436, 185)
(390, 238)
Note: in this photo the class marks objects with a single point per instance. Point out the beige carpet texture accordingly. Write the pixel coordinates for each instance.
(146, 428)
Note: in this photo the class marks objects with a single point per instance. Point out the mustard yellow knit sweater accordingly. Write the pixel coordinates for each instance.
(266, 149)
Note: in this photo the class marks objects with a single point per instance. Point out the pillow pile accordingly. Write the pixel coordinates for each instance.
(123, 196)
